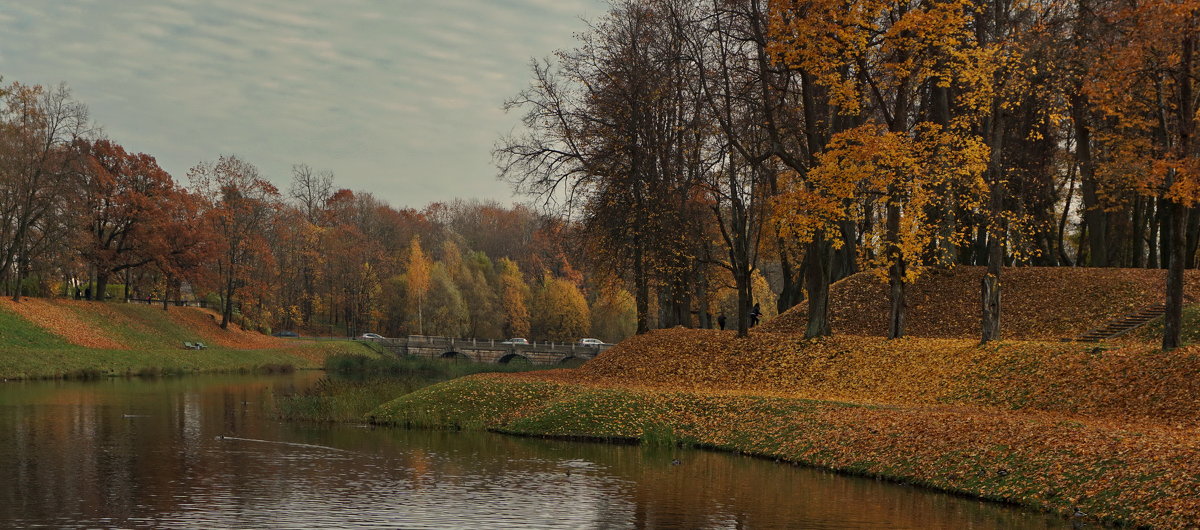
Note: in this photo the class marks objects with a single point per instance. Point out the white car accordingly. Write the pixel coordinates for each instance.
(591, 342)
(371, 336)
(516, 340)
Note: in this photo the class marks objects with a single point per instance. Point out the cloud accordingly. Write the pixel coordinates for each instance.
(399, 98)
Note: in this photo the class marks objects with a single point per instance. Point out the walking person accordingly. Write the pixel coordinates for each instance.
(721, 320)
(754, 314)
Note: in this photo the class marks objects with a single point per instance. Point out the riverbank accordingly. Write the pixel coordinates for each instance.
(41, 339)
(1053, 426)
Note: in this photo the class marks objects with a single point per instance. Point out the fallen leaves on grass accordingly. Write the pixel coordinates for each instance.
(1045, 303)
(59, 319)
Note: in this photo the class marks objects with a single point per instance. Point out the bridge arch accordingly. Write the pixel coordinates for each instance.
(514, 357)
(457, 356)
(571, 361)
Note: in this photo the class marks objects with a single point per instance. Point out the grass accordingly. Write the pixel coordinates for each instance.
(16, 332)
(41, 363)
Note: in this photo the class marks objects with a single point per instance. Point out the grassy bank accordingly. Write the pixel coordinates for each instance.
(67, 338)
(1052, 426)
(76, 362)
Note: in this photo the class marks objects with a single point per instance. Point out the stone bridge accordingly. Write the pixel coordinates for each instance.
(490, 350)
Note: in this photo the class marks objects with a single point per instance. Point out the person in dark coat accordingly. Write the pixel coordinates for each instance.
(721, 320)
(754, 314)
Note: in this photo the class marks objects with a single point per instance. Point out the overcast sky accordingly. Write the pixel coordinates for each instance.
(400, 98)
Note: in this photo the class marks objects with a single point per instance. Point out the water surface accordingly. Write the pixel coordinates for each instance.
(204, 452)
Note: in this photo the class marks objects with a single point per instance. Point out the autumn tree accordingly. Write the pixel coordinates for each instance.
(560, 310)
(514, 298)
(1147, 87)
(37, 127)
(614, 317)
(124, 197)
(418, 272)
(241, 203)
(608, 131)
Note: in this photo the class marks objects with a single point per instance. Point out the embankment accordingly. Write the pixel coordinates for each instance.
(42, 338)
(1054, 426)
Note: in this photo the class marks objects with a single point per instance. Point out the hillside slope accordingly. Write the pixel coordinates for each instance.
(41, 338)
(117, 326)
(1039, 303)
(1136, 383)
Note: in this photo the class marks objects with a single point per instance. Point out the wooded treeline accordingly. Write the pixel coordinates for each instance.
(698, 141)
(80, 216)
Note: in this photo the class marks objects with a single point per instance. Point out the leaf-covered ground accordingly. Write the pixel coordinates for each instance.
(1115, 432)
(1046, 303)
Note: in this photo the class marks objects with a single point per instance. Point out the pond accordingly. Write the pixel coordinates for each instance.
(205, 451)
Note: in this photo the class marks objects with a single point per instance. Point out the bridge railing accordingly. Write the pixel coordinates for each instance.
(453, 343)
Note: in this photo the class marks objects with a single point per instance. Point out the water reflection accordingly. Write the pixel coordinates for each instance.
(200, 452)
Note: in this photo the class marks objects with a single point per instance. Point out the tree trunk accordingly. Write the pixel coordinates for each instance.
(991, 288)
(20, 277)
(102, 276)
(792, 292)
(1140, 207)
(1093, 213)
(227, 309)
(1173, 319)
(896, 272)
(744, 302)
(1193, 237)
(845, 259)
(641, 288)
(816, 276)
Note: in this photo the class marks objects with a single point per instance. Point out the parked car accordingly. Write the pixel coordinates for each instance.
(371, 336)
(287, 334)
(591, 342)
(516, 340)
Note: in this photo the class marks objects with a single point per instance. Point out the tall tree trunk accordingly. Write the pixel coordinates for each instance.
(1062, 221)
(19, 277)
(1153, 216)
(845, 259)
(1173, 320)
(1140, 207)
(896, 272)
(991, 281)
(102, 275)
(816, 276)
(1093, 213)
(227, 308)
(792, 292)
(745, 299)
(1193, 237)
(641, 288)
